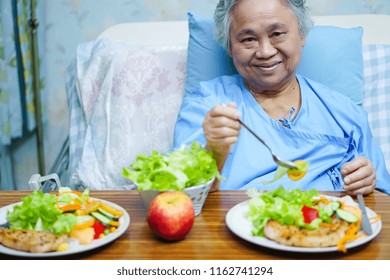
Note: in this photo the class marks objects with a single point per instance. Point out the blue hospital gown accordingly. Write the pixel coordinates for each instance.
(328, 131)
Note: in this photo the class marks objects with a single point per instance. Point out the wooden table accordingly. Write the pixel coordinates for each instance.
(210, 238)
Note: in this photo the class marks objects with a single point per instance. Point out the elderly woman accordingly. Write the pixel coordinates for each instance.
(299, 118)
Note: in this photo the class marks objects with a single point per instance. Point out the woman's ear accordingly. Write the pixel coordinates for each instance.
(229, 49)
(303, 40)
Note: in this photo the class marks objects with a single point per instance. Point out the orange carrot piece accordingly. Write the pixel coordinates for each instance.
(350, 235)
(70, 207)
(375, 219)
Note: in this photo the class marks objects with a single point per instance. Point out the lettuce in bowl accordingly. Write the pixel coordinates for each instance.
(176, 170)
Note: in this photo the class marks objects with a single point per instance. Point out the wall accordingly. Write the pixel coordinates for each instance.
(70, 22)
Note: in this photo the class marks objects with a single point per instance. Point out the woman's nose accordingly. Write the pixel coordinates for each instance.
(265, 49)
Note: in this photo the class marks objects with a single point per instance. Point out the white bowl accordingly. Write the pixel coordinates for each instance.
(198, 195)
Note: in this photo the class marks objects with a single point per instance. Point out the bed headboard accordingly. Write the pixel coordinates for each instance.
(176, 32)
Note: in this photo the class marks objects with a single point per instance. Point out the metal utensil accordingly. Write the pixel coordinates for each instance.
(365, 221)
(6, 225)
(48, 183)
(284, 163)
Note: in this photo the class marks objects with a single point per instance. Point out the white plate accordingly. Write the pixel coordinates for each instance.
(242, 227)
(74, 246)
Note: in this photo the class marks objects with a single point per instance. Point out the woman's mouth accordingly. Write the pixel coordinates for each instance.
(268, 66)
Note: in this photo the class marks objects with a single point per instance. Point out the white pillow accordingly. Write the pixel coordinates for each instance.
(130, 97)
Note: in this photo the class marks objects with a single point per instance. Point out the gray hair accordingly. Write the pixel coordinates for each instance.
(222, 17)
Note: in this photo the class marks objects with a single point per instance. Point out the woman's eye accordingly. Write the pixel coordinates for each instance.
(249, 39)
(277, 34)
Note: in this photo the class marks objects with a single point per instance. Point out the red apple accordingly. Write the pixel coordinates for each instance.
(171, 215)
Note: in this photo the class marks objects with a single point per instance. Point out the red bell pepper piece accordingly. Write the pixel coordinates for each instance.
(309, 214)
(99, 229)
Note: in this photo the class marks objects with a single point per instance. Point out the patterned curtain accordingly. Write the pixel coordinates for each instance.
(17, 109)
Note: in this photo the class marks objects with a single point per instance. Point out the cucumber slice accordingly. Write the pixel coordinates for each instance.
(346, 216)
(331, 207)
(101, 218)
(108, 215)
(83, 219)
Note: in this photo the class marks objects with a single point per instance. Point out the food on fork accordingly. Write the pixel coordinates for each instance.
(299, 172)
(295, 174)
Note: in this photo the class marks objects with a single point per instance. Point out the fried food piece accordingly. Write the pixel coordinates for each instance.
(30, 240)
(291, 235)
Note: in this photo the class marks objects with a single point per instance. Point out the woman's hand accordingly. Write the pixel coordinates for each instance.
(359, 176)
(221, 130)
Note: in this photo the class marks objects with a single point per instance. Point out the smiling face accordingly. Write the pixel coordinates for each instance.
(265, 44)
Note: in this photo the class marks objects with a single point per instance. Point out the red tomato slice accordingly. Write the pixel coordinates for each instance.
(309, 214)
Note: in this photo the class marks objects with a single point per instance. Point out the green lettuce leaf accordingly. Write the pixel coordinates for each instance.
(283, 206)
(64, 224)
(184, 167)
(280, 172)
(38, 211)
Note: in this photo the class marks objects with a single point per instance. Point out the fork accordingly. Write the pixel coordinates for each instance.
(284, 163)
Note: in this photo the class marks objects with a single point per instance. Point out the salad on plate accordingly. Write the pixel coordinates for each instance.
(304, 218)
(46, 222)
